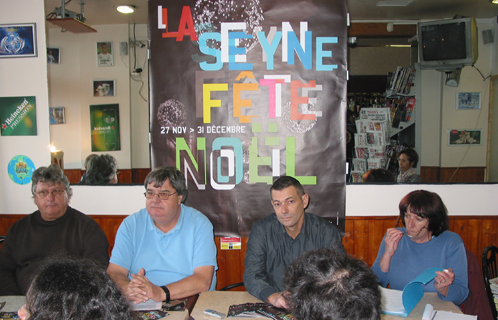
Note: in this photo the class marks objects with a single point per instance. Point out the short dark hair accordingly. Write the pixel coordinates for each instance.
(51, 174)
(428, 205)
(285, 182)
(159, 175)
(411, 154)
(75, 290)
(89, 157)
(101, 169)
(378, 175)
(328, 284)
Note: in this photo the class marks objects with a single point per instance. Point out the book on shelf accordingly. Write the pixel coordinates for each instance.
(357, 176)
(410, 104)
(401, 81)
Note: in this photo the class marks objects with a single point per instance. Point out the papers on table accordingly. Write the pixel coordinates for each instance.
(401, 303)
(147, 305)
(431, 314)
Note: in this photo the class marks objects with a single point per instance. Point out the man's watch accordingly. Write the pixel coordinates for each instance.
(166, 290)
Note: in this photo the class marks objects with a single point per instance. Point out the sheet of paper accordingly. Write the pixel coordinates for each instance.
(428, 311)
(147, 305)
(446, 315)
(392, 301)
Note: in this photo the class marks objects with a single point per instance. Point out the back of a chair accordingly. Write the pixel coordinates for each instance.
(490, 271)
(477, 301)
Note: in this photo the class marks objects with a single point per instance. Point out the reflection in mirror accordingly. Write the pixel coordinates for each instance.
(71, 86)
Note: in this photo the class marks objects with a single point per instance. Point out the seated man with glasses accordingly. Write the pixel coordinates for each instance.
(165, 251)
(54, 230)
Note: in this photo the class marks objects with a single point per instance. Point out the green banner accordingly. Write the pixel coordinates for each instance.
(18, 116)
(104, 122)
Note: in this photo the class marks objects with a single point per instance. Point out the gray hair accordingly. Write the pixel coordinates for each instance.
(159, 175)
(51, 174)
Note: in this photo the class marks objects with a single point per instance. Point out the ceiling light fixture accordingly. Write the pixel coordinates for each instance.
(494, 1)
(126, 8)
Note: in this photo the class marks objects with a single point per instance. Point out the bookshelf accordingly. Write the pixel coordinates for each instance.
(402, 99)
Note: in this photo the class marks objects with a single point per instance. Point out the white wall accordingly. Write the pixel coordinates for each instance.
(24, 77)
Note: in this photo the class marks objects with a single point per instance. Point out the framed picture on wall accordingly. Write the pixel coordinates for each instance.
(18, 40)
(57, 115)
(53, 55)
(468, 100)
(464, 137)
(104, 88)
(105, 54)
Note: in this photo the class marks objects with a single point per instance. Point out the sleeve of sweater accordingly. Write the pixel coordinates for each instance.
(456, 259)
(381, 276)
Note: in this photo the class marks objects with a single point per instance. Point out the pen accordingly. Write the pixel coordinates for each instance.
(434, 315)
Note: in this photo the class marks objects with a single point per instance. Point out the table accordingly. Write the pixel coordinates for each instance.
(14, 303)
(222, 300)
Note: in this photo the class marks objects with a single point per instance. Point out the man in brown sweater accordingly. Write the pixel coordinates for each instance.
(54, 230)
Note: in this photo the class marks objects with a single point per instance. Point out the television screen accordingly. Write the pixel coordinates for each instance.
(444, 42)
(447, 44)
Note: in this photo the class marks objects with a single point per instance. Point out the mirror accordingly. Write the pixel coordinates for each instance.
(70, 86)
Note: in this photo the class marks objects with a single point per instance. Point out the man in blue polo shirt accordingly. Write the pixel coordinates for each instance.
(167, 250)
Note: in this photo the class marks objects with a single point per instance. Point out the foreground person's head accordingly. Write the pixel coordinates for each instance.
(74, 290)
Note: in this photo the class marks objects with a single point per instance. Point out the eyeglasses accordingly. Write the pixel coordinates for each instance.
(55, 193)
(161, 195)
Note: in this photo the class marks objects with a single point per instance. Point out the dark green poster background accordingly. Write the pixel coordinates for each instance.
(104, 122)
(18, 116)
(244, 91)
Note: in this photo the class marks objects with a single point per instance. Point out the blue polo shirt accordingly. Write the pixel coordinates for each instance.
(166, 257)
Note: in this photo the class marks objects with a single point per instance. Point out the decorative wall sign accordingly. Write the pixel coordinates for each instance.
(20, 169)
(104, 122)
(18, 116)
(53, 55)
(104, 54)
(57, 115)
(18, 40)
(468, 100)
(245, 91)
(464, 137)
(103, 88)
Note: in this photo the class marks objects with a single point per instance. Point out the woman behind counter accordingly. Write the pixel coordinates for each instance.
(407, 160)
(423, 242)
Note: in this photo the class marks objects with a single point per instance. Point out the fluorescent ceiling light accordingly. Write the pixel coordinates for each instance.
(394, 3)
(126, 9)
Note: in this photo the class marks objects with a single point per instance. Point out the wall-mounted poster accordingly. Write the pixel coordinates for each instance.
(103, 88)
(57, 115)
(464, 137)
(104, 54)
(104, 122)
(245, 91)
(18, 116)
(18, 40)
(468, 100)
(53, 55)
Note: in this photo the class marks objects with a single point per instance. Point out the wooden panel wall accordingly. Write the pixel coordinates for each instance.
(362, 239)
(457, 175)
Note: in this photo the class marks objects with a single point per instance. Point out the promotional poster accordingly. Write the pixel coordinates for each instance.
(18, 116)
(104, 122)
(245, 91)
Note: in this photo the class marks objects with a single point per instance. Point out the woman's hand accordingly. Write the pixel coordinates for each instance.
(391, 241)
(443, 280)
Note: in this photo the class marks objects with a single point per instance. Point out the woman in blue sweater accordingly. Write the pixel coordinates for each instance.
(423, 242)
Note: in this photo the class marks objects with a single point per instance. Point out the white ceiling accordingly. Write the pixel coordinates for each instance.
(99, 12)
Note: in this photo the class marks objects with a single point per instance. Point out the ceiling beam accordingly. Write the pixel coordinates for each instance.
(380, 30)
